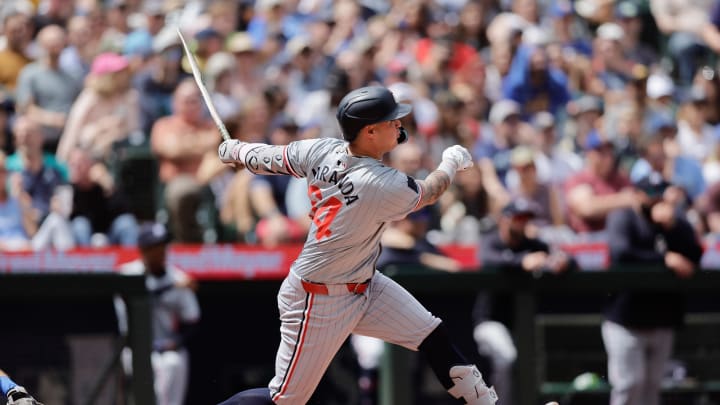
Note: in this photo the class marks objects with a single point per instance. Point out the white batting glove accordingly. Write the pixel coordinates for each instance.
(229, 151)
(455, 158)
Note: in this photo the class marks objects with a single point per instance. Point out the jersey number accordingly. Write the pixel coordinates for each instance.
(322, 215)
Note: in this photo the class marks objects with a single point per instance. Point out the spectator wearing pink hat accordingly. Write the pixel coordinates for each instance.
(106, 111)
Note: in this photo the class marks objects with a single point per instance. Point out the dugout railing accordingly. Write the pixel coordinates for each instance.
(396, 384)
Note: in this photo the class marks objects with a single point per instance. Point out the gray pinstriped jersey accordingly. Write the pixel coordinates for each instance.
(352, 199)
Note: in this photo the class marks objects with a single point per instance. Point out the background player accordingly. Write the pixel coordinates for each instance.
(333, 288)
(16, 394)
(175, 314)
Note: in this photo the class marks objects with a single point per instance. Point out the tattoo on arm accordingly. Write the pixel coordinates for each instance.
(433, 187)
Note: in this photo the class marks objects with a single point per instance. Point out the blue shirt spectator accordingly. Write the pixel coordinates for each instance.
(534, 84)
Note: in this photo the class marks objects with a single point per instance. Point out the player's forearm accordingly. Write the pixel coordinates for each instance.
(261, 158)
(433, 187)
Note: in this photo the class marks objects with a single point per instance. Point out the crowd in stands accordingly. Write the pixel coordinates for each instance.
(564, 103)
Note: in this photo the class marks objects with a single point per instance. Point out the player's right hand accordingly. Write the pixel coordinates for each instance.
(458, 157)
(229, 150)
(19, 396)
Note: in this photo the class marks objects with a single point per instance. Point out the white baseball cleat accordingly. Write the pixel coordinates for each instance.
(470, 386)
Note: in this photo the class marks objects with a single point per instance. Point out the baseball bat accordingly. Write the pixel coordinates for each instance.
(203, 90)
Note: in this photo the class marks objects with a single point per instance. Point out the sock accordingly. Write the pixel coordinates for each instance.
(442, 355)
(6, 384)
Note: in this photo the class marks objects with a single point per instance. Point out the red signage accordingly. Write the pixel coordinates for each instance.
(235, 261)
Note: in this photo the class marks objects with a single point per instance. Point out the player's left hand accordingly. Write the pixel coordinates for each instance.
(19, 396)
(458, 156)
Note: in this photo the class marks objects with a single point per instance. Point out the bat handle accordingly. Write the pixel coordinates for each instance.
(225, 134)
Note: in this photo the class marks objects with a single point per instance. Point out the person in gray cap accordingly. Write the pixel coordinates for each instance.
(554, 163)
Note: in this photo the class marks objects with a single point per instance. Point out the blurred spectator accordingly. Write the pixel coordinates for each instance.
(307, 70)
(175, 314)
(138, 44)
(684, 22)
(529, 187)
(568, 30)
(224, 16)
(493, 149)
(207, 43)
(451, 126)
(106, 111)
(81, 49)
(45, 92)
(599, 189)
(708, 80)
(627, 16)
(180, 142)
(118, 27)
(470, 85)
(661, 154)
(534, 83)
(253, 123)
(708, 206)
(34, 172)
(158, 79)
(508, 248)
(473, 23)
(248, 75)
(17, 220)
(710, 31)
(53, 12)
(586, 113)
(660, 91)
(17, 29)
(21, 226)
(268, 197)
(696, 137)
(153, 12)
(554, 162)
(404, 243)
(28, 138)
(612, 69)
(439, 55)
(464, 211)
(268, 21)
(357, 61)
(219, 74)
(638, 331)
(628, 134)
(498, 66)
(100, 214)
(348, 24)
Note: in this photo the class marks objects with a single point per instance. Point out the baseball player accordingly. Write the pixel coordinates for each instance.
(333, 288)
(16, 394)
(175, 314)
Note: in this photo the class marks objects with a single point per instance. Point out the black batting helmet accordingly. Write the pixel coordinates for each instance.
(369, 105)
